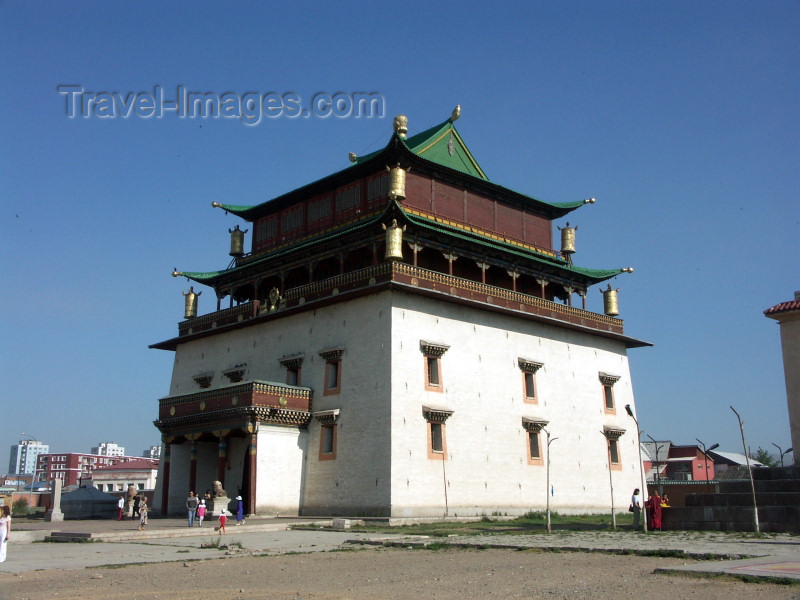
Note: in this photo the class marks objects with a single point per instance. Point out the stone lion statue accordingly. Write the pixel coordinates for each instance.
(216, 487)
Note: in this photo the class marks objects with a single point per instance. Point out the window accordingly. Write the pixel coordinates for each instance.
(608, 396)
(612, 436)
(534, 427)
(348, 201)
(333, 371)
(291, 220)
(529, 368)
(328, 433)
(608, 382)
(437, 441)
(320, 210)
(613, 451)
(432, 354)
(332, 374)
(534, 448)
(437, 437)
(377, 189)
(432, 369)
(293, 365)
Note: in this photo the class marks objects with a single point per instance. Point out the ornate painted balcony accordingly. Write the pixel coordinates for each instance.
(234, 406)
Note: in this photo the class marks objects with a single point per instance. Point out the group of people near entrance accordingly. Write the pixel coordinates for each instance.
(197, 508)
(653, 508)
(139, 509)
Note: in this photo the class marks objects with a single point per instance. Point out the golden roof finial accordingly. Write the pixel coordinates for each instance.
(401, 126)
(216, 204)
(175, 272)
(456, 113)
(352, 156)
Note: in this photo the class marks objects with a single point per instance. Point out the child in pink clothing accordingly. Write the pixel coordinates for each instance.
(201, 512)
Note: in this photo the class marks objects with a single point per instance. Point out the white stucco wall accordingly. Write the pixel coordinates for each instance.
(280, 469)
(487, 468)
(382, 466)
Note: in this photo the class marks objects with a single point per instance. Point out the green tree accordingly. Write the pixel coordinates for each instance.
(765, 458)
(20, 506)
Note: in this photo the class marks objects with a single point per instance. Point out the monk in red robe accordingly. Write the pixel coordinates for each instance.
(653, 506)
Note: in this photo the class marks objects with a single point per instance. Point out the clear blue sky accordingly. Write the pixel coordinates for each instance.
(681, 118)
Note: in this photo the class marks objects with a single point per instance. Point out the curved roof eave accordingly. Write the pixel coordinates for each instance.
(210, 277)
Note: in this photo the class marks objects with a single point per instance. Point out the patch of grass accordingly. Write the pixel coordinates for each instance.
(729, 577)
(534, 522)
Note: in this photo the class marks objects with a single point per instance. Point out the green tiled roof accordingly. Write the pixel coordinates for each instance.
(209, 277)
(443, 145)
(233, 208)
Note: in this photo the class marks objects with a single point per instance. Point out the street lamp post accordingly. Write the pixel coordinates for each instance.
(782, 452)
(549, 441)
(705, 455)
(658, 465)
(749, 470)
(641, 468)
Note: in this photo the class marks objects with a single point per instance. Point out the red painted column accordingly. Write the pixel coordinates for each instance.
(221, 459)
(193, 465)
(165, 482)
(252, 456)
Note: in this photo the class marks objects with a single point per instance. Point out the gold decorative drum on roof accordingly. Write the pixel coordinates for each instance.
(568, 240)
(237, 241)
(190, 300)
(397, 183)
(610, 303)
(394, 241)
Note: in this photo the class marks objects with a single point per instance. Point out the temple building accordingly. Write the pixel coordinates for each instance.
(402, 340)
(787, 314)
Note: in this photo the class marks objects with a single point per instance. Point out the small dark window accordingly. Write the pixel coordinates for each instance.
(530, 385)
(327, 439)
(332, 374)
(614, 451)
(533, 439)
(608, 394)
(437, 444)
(433, 370)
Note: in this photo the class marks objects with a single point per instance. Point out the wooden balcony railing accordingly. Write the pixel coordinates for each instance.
(432, 282)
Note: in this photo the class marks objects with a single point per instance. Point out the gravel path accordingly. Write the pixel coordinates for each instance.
(378, 572)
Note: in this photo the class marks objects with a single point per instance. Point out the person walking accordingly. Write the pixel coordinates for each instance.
(239, 511)
(222, 520)
(5, 529)
(120, 507)
(201, 512)
(143, 513)
(636, 507)
(191, 507)
(137, 499)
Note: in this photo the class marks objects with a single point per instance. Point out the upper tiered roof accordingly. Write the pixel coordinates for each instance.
(441, 153)
(438, 146)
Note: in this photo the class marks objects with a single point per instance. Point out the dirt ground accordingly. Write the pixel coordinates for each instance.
(377, 573)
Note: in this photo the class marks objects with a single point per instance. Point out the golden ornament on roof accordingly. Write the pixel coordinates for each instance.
(401, 126)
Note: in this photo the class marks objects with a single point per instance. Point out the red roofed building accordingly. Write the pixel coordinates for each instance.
(788, 316)
(137, 472)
